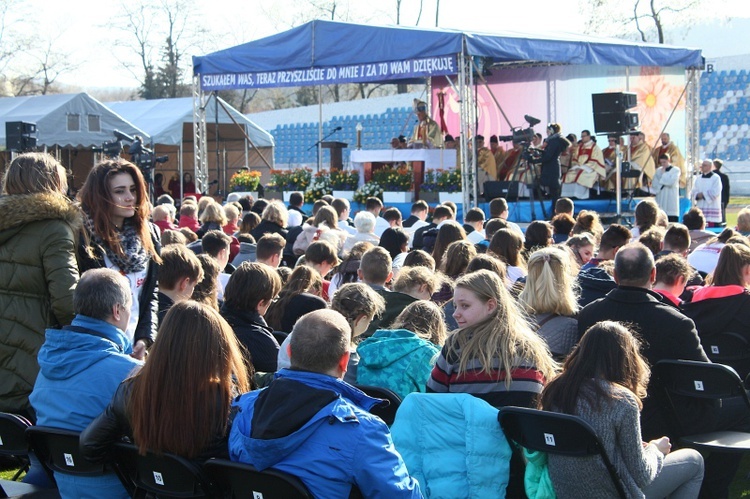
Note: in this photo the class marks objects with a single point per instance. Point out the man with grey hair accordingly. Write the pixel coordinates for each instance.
(311, 424)
(81, 366)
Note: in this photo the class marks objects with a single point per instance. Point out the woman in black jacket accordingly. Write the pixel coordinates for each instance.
(118, 235)
(179, 401)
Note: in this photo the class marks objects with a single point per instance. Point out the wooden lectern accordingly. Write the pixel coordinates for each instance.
(337, 160)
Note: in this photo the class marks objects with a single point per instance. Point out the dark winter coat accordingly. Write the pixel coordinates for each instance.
(38, 273)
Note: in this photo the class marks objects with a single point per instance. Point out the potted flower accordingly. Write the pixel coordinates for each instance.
(245, 181)
(428, 191)
(368, 190)
(320, 185)
(396, 184)
(449, 185)
(289, 181)
(344, 183)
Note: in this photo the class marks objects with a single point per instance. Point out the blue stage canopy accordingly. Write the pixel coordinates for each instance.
(322, 52)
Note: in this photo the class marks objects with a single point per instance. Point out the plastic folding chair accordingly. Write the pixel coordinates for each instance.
(702, 381)
(385, 410)
(238, 480)
(58, 450)
(13, 439)
(13, 444)
(556, 433)
(164, 475)
(730, 349)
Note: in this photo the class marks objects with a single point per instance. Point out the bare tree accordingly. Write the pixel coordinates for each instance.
(158, 35)
(645, 20)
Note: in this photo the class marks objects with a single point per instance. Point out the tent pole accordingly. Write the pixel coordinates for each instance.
(200, 149)
(692, 125)
(463, 142)
(320, 127)
(180, 168)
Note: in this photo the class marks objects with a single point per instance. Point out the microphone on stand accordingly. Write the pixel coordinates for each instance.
(337, 129)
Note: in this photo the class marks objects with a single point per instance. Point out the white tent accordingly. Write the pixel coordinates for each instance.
(68, 126)
(169, 122)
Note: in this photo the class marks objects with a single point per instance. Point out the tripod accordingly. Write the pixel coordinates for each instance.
(526, 163)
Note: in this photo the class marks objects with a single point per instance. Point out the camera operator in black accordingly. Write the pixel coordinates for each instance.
(550, 159)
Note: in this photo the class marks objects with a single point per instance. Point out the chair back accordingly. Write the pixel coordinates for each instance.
(556, 433)
(387, 409)
(731, 349)
(164, 475)
(700, 380)
(238, 480)
(13, 435)
(58, 450)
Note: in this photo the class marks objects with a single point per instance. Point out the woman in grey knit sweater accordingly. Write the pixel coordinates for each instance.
(603, 382)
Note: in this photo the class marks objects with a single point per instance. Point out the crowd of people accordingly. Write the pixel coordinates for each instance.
(243, 331)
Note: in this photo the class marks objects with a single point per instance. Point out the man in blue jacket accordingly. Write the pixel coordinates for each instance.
(81, 366)
(313, 425)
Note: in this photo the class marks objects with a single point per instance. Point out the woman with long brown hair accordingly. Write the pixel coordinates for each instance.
(118, 235)
(179, 401)
(507, 245)
(603, 382)
(448, 232)
(299, 296)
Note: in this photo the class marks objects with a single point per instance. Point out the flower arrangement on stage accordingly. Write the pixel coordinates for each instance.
(448, 180)
(246, 180)
(291, 180)
(344, 180)
(370, 189)
(320, 186)
(394, 179)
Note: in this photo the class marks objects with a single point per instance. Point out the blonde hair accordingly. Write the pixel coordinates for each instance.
(276, 212)
(231, 212)
(425, 319)
(504, 337)
(213, 213)
(414, 277)
(35, 172)
(550, 286)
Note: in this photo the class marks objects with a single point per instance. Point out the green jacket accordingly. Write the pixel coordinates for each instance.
(38, 273)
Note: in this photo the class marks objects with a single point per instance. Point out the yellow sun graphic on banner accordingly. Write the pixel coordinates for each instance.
(657, 97)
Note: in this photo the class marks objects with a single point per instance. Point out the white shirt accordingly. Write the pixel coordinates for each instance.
(344, 225)
(475, 237)
(136, 280)
(381, 224)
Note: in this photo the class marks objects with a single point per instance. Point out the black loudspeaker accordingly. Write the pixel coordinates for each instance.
(497, 189)
(621, 122)
(20, 135)
(613, 102)
(611, 112)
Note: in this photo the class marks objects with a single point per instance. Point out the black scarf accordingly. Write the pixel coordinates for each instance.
(135, 258)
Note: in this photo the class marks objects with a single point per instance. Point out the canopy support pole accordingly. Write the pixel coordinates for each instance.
(200, 148)
(692, 125)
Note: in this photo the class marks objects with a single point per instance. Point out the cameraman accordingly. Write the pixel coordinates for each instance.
(550, 160)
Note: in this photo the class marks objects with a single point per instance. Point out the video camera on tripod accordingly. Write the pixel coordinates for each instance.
(140, 155)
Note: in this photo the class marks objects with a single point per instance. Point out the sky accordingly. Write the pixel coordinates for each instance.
(85, 28)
